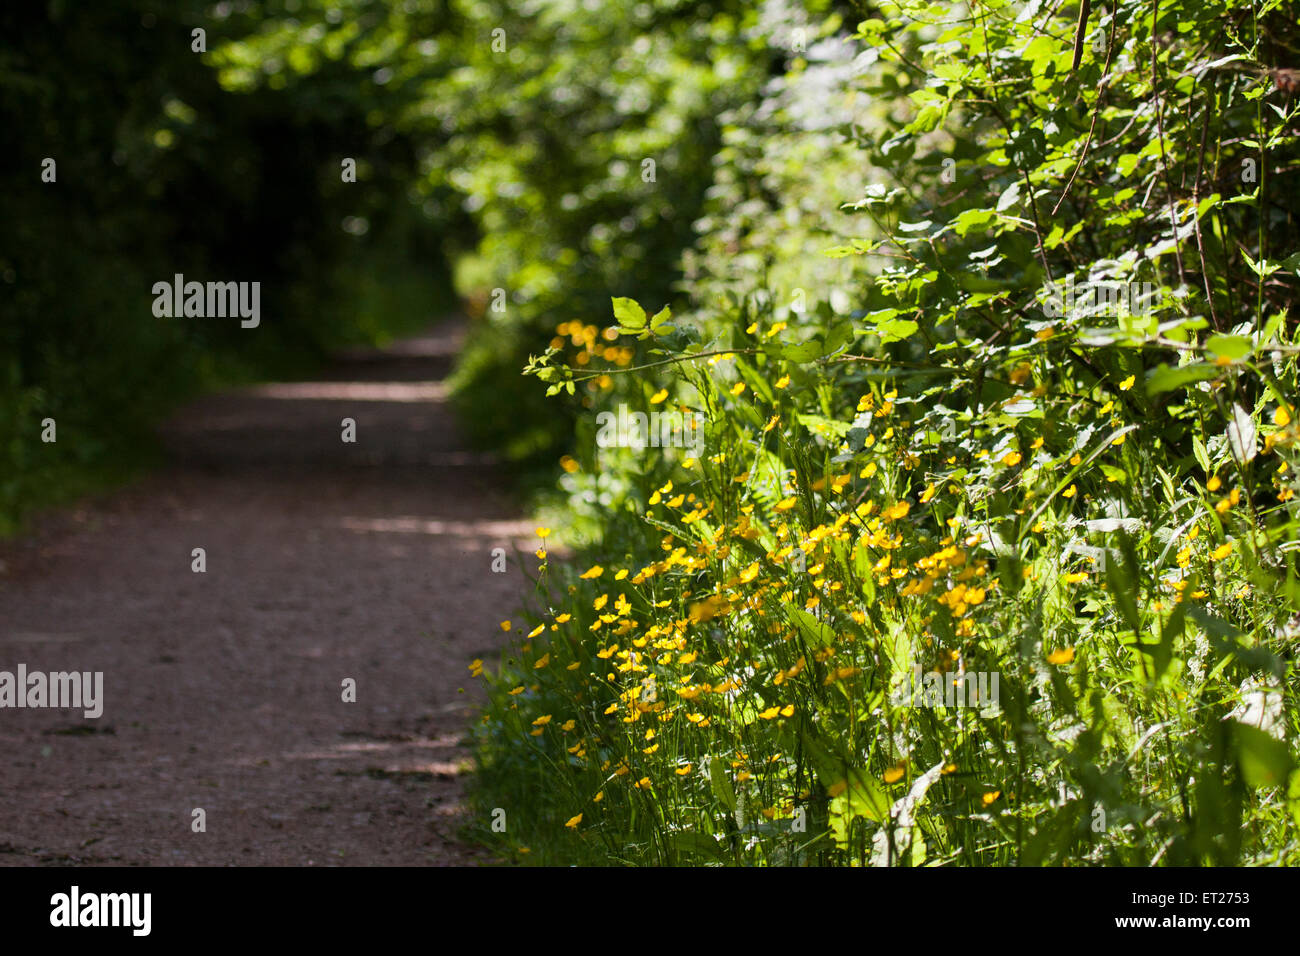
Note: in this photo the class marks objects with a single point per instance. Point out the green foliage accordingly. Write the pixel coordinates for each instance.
(922, 456)
(162, 171)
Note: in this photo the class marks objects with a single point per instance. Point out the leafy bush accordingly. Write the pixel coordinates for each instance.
(934, 465)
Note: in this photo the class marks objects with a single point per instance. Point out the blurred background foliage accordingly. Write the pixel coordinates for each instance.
(538, 155)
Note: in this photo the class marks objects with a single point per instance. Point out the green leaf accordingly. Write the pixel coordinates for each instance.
(1241, 435)
(863, 796)
(1164, 379)
(973, 219)
(817, 633)
(629, 314)
(659, 322)
(693, 843)
(721, 784)
(821, 425)
(1010, 196)
(801, 351)
(1230, 346)
(1265, 761)
(895, 330)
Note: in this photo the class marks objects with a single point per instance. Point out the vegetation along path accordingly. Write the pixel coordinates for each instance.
(223, 690)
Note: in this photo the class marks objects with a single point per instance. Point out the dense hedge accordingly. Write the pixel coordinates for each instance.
(933, 455)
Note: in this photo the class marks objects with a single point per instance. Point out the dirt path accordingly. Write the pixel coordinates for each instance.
(223, 690)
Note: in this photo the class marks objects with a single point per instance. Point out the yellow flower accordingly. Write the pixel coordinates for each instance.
(1076, 577)
(928, 493)
(1282, 416)
(1011, 459)
(1062, 655)
(1214, 484)
(542, 662)
(568, 725)
(989, 797)
(542, 721)
(659, 396)
(1125, 385)
(574, 821)
(1221, 552)
(1070, 492)
(594, 571)
(894, 774)
(783, 381)
(738, 389)
(770, 713)
(683, 771)
(505, 625)
(707, 609)
(543, 532)
(897, 510)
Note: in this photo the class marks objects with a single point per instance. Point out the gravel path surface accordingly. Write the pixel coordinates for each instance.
(222, 690)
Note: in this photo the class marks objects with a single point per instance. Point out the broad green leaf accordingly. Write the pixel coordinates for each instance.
(1164, 379)
(629, 314)
(721, 784)
(1241, 435)
(1265, 761)
(1230, 346)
